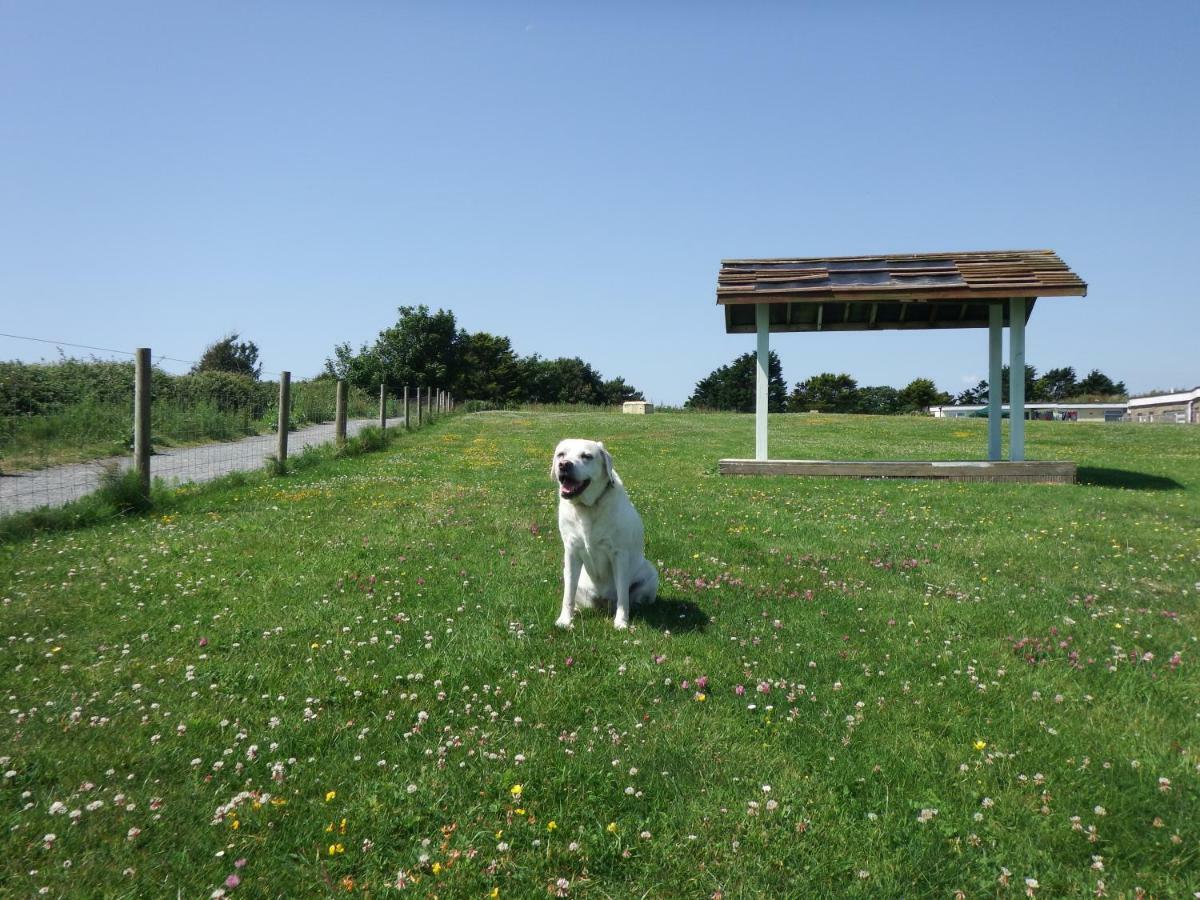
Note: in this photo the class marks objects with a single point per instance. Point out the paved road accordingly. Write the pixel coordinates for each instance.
(62, 484)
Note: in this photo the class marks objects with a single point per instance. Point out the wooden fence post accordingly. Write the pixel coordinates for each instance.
(419, 410)
(406, 425)
(141, 420)
(285, 417)
(339, 414)
(428, 404)
(383, 407)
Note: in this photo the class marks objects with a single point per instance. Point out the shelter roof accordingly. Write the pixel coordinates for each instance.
(893, 291)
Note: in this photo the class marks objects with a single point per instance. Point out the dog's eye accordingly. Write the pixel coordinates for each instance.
(559, 455)
(585, 456)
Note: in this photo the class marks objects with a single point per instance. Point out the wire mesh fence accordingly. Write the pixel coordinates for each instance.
(68, 424)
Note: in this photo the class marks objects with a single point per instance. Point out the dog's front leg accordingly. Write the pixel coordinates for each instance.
(621, 576)
(572, 565)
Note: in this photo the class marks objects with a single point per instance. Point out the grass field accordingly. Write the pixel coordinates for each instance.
(347, 679)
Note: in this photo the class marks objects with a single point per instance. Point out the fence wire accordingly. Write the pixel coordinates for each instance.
(67, 424)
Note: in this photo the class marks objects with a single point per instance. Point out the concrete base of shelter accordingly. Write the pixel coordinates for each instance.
(1036, 472)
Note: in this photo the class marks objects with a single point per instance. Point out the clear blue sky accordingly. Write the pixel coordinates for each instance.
(571, 175)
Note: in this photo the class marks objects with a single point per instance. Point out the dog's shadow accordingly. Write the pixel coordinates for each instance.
(676, 616)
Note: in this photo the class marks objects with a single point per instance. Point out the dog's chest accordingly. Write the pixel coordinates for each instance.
(587, 539)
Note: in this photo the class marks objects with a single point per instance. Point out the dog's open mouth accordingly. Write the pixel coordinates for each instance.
(569, 488)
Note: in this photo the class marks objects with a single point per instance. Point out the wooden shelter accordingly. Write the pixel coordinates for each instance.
(990, 289)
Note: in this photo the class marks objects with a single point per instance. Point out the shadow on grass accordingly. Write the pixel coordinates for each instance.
(676, 616)
(1123, 478)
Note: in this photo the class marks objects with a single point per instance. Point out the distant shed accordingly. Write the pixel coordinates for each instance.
(976, 289)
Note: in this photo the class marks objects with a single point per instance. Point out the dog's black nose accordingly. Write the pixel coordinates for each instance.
(565, 465)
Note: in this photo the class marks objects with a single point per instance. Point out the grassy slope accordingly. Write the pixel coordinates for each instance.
(889, 623)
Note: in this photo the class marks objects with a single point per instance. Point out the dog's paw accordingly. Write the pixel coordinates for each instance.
(564, 622)
(620, 623)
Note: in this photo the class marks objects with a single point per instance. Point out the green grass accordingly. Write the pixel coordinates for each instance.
(1011, 656)
(91, 429)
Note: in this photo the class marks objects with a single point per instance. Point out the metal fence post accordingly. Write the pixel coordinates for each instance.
(339, 414)
(141, 420)
(285, 406)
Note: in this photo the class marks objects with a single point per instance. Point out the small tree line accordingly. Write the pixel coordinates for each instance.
(425, 347)
(732, 387)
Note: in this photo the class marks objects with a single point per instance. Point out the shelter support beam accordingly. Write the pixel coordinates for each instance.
(762, 319)
(1016, 379)
(995, 377)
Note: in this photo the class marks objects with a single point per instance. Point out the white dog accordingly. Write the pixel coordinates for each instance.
(603, 539)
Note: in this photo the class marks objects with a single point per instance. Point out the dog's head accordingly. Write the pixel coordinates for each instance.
(583, 469)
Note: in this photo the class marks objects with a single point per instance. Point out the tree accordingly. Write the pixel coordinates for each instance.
(230, 355)
(973, 396)
(425, 349)
(980, 393)
(489, 370)
(421, 349)
(734, 386)
(920, 394)
(361, 369)
(1096, 383)
(879, 400)
(615, 392)
(826, 392)
(561, 380)
(1057, 385)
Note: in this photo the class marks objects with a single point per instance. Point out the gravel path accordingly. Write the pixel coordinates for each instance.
(62, 484)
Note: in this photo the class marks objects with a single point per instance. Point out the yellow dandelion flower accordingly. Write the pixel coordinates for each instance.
(700, 698)
(495, 894)
(329, 795)
(437, 868)
(612, 828)
(979, 745)
(235, 824)
(515, 790)
(551, 825)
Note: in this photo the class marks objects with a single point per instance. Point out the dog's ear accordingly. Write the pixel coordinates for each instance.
(608, 466)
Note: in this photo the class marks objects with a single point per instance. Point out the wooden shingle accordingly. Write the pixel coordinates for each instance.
(892, 291)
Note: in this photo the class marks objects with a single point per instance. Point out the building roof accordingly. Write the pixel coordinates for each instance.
(892, 291)
(975, 407)
(1160, 399)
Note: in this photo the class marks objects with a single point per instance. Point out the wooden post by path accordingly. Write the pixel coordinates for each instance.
(383, 407)
(339, 414)
(419, 410)
(141, 420)
(406, 425)
(285, 417)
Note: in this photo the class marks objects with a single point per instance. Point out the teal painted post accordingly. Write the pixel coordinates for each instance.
(762, 320)
(1016, 379)
(995, 377)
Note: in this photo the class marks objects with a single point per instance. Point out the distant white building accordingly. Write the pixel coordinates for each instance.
(1182, 408)
(1059, 412)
